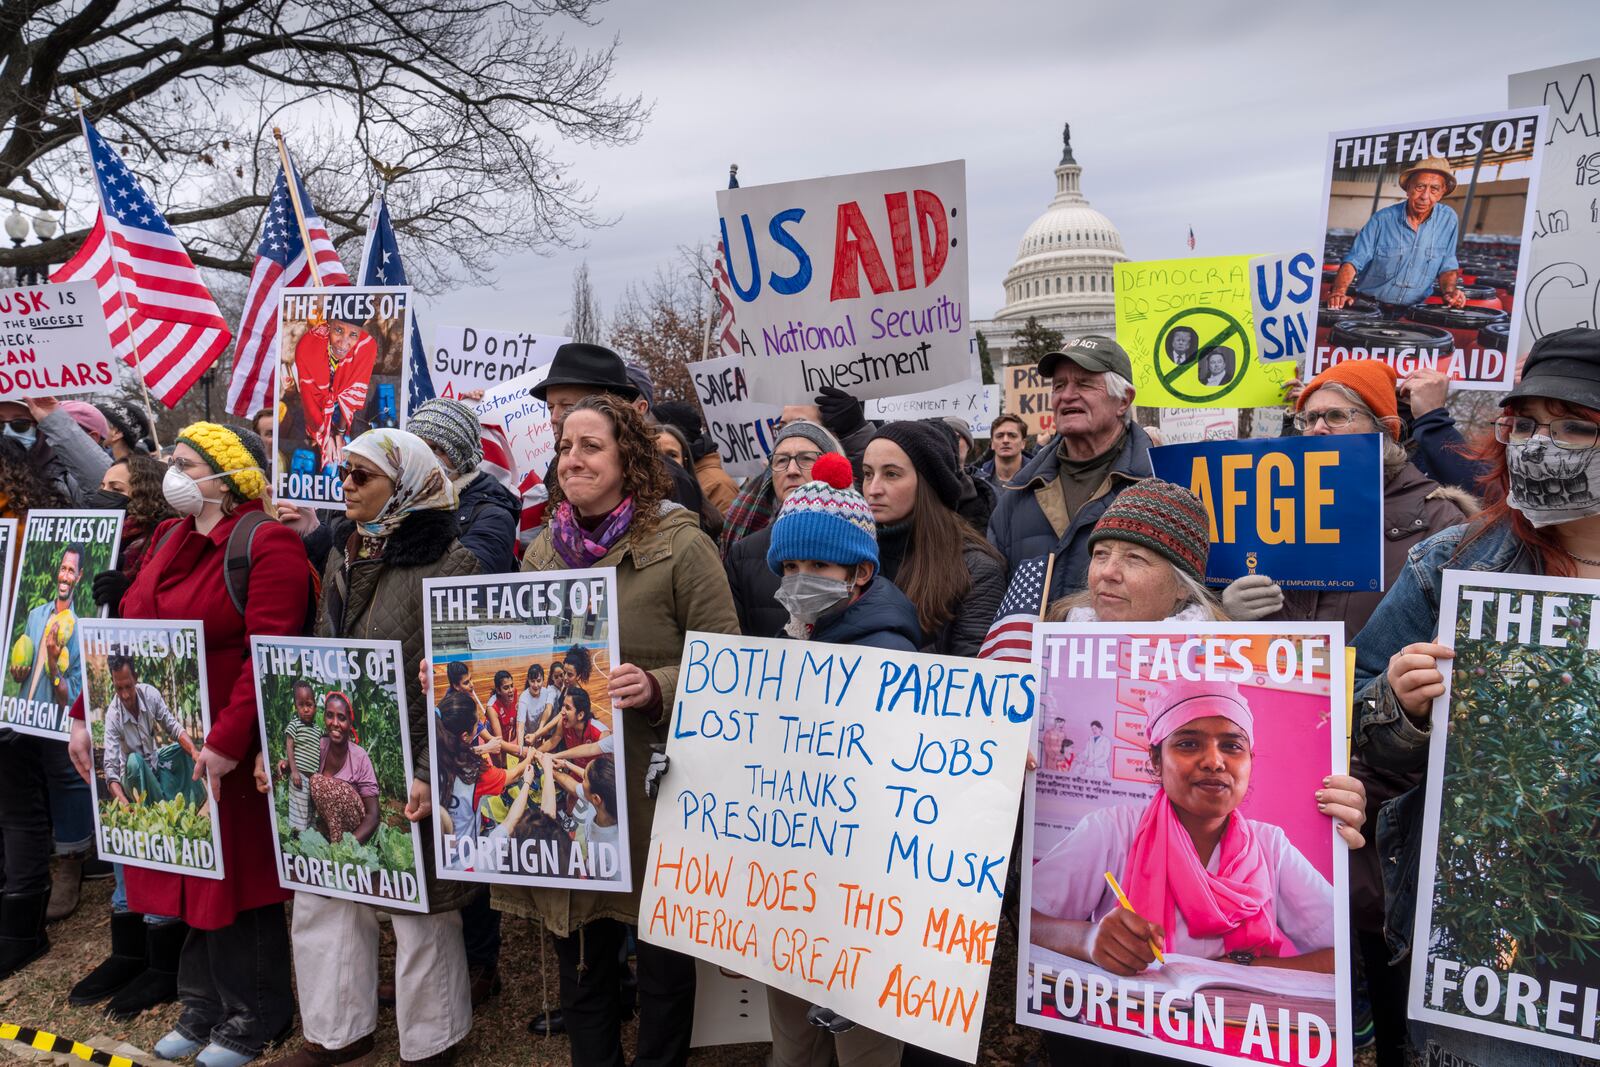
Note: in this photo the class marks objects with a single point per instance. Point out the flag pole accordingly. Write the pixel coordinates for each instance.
(116, 272)
(292, 180)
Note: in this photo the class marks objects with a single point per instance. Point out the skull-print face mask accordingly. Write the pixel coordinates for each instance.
(1551, 485)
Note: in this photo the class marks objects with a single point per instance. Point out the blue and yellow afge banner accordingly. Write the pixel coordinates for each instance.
(1305, 511)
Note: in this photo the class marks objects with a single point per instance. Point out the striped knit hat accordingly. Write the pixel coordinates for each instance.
(1163, 517)
(452, 428)
(825, 519)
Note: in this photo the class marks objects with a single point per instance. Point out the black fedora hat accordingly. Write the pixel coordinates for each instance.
(593, 366)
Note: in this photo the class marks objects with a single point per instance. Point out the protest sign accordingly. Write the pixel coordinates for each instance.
(1026, 395)
(526, 748)
(336, 746)
(1506, 935)
(1391, 252)
(342, 362)
(466, 362)
(1283, 302)
(729, 1009)
(54, 342)
(1305, 511)
(1181, 426)
(1188, 328)
(836, 824)
(972, 401)
(148, 711)
(1563, 268)
(526, 422)
(857, 281)
(61, 552)
(742, 428)
(1261, 707)
(8, 555)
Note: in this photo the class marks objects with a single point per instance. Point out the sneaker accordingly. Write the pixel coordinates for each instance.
(175, 1046)
(216, 1056)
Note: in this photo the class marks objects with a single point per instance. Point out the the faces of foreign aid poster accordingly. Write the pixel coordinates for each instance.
(337, 752)
(148, 712)
(1181, 761)
(529, 778)
(342, 362)
(62, 551)
(1507, 939)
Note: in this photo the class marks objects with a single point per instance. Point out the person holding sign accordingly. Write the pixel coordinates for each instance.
(1406, 249)
(1542, 516)
(607, 509)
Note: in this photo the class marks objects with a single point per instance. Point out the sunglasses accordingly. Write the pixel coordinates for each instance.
(356, 476)
(20, 424)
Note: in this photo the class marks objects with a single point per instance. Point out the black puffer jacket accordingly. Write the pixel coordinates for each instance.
(753, 585)
(487, 515)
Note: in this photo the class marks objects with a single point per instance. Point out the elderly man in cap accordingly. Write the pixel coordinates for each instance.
(1406, 249)
(1052, 504)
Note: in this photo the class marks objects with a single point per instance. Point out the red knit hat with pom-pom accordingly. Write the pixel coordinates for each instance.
(825, 520)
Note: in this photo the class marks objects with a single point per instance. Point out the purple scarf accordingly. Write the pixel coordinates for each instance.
(579, 548)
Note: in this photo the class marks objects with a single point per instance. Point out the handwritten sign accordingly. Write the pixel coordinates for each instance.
(526, 422)
(833, 825)
(1283, 302)
(742, 427)
(972, 401)
(53, 341)
(1189, 329)
(466, 362)
(1182, 426)
(1026, 395)
(1563, 265)
(857, 281)
(1305, 511)
(1506, 892)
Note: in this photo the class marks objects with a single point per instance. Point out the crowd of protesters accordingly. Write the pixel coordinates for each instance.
(896, 536)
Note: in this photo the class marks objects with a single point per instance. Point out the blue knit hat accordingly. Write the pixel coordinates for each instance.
(826, 520)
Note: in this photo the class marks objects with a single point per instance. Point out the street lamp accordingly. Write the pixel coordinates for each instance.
(44, 227)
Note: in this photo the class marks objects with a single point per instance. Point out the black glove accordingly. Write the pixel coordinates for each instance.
(659, 762)
(842, 413)
(108, 588)
(828, 1019)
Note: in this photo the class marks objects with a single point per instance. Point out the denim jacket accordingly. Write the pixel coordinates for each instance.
(1383, 735)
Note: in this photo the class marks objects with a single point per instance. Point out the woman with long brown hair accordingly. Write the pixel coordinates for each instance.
(609, 507)
(949, 572)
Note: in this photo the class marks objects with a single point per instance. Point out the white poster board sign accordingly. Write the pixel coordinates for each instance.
(53, 342)
(742, 428)
(466, 362)
(526, 422)
(973, 401)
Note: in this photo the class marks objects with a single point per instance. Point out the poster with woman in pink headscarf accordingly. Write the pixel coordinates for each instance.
(1187, 832)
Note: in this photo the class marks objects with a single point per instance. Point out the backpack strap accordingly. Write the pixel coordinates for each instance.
(236, 562)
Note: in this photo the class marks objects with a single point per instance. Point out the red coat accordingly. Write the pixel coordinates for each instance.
(183, 580)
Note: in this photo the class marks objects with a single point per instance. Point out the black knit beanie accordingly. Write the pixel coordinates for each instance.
(931, 452)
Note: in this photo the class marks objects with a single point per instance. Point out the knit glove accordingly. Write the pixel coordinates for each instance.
(108, 587)
(828, 1019)
(659, 762)
(842, 414)
(1255, 596)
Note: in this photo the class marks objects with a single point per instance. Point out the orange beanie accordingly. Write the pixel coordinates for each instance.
(1371, 379)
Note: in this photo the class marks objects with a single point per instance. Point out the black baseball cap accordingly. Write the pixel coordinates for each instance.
(593, 366)
(1564, 365)
(1093, 353)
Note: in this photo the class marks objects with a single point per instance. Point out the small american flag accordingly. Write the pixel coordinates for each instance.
(1191, 238)
(280, 262)
(380, 265)
(160, 315)
(1011, 634)
(727, 341)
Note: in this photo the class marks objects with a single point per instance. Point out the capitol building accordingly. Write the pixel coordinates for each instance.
(1062, 276)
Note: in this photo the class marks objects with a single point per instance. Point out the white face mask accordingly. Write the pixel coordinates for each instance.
(807, 597)
(183, 492)
(1551, 485)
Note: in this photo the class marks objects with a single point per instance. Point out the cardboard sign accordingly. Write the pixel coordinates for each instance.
(54, 342)
(1283, 302)
(1102, 804)
(466, 362)
(1189, 329)
(342, 366)
(1507, 894)
(148, 711)
(61, 553)
(743, 428)
(1182, 426)
(1563, 268)
(833, 825)
(526, 422)
(1305, 511)
(857, 281)
(1397, 266)
(335, 740)
(529, 776)
(1027, 396)
(976, 403)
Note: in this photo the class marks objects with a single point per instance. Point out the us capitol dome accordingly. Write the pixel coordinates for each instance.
(1062, 276)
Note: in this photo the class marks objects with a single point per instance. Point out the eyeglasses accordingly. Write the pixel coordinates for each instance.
(20, 424)
(1574, 434)
(803, 460)
(1336, 418)
(178, 463)
(356, 476)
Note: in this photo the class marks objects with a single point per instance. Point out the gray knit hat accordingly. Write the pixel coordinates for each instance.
(811, 432)
(452, 428)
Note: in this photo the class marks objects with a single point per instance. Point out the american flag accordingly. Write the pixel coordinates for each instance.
(161, 317)
(280, 262)
(380, 265)
(1011, 634)
(1191, 238)
(727, 341)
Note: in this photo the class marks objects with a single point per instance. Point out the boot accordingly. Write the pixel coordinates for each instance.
(22, 937)
(158, 983)
(314, 1055)
(127, 961)
(66, 886)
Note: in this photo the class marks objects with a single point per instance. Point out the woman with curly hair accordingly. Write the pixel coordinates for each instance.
(132, 485)
(609, 508)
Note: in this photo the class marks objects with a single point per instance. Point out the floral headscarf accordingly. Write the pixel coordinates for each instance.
(419, 482)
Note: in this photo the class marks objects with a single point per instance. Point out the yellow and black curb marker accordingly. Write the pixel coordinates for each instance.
(45, 1041)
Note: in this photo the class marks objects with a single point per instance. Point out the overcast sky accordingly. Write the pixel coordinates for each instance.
(1213, 115)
